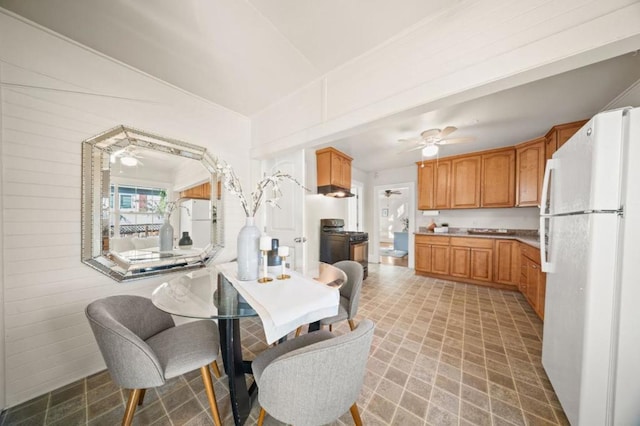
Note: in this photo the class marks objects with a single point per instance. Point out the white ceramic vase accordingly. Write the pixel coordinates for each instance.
(249, 251)
(166, 236)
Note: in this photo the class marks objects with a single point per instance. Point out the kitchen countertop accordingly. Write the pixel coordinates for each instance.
(525, 237)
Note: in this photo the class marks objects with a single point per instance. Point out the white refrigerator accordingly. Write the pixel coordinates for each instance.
(195, 218)
(591, 341)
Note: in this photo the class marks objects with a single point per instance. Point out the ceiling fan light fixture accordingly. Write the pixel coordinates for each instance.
(129, 161)
(430, 150)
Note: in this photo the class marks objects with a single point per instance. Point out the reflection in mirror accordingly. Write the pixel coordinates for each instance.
(150, 205)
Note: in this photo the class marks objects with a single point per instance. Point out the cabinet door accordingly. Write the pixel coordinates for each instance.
(506, 262)
(465, 182)
(345, 175)
(530, 171)
(542, 290)
(532, 284)
(336, 170)
(425, 186)
(441, 185)
(423, 257)
(460, 262)
(566, 131)
(482, 264)
(440, 260)
(499, 179)
(524, 272)
(551, 144)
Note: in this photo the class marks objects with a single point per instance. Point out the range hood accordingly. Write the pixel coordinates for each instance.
(334, 191)
(334, 173)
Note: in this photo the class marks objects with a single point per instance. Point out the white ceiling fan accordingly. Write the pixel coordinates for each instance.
(388, 193)
(129, 156)
(431, 140)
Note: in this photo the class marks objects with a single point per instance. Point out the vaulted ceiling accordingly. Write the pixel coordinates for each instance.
(247, 54)
(241, 54)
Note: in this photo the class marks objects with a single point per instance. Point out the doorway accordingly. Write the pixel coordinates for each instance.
(394, 216)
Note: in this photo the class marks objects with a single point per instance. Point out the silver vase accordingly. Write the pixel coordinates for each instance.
(249, 251)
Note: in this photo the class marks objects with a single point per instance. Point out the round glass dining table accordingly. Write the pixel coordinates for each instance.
(207, 294)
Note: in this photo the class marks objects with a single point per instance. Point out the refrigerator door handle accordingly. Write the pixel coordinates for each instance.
(545, 266)
(545, 208)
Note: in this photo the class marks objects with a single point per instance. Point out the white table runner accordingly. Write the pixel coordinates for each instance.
(284, 305)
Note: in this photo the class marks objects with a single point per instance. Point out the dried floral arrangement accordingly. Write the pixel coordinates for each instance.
(232, 184)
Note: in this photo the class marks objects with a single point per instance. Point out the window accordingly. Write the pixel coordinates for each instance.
(137, 210)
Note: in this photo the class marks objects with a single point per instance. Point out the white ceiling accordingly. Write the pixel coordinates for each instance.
(247, 54)
(241, 54)
(501, 119)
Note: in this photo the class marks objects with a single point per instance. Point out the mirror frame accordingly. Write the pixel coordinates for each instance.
(95, 209)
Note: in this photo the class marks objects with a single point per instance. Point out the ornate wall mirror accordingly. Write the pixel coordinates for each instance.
(150, 205)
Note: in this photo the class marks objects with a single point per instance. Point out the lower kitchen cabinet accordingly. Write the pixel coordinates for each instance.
(466, 259)
(507, 262)
(432, 254)
(472, 258)
(532, 279)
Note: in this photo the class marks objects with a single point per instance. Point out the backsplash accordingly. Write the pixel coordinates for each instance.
(514, 218)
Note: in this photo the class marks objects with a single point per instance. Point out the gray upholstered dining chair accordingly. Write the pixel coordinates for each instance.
(142, 347)
(349, 294)
(315, 378)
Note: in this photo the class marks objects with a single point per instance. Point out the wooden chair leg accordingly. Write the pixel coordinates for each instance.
(355, 414)
(298, 331)
(132, 403)
(141, 397)
(352, 324)
(216, 370)
(261, 418)
(208, 386)
(330, 327)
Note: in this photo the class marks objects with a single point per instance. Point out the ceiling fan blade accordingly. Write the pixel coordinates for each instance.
(429, 133)
(446, 131)
(412, 149)
(412, 140)
(455, 140)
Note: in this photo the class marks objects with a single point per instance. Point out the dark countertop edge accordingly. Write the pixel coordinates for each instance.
(532, 241)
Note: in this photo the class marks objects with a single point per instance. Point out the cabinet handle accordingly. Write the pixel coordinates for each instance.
(534, 266)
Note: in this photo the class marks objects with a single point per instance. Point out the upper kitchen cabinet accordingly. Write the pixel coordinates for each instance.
(434, 189)
(530, 159)
(465, 182)
(558, 135)
(498, 178)
(334, 168)
(200, 192)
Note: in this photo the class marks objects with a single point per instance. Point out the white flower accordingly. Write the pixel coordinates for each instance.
(232, 184)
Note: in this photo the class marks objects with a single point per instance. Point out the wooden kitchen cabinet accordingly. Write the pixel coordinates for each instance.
(506, 262)
(460, 262)
(472, 258)
(498, 180)
(532, 279)
(426, 198)
(558, 135)
(201, 192)
(530, 162)
(434, 184)
(432, 254)
(465, 182)
(334, 168)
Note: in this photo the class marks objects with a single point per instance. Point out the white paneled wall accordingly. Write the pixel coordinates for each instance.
(54, 95)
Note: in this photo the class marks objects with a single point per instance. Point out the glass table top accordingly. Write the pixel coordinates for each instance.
(204, 293)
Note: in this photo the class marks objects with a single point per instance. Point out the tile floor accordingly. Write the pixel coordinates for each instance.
(443, 354)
